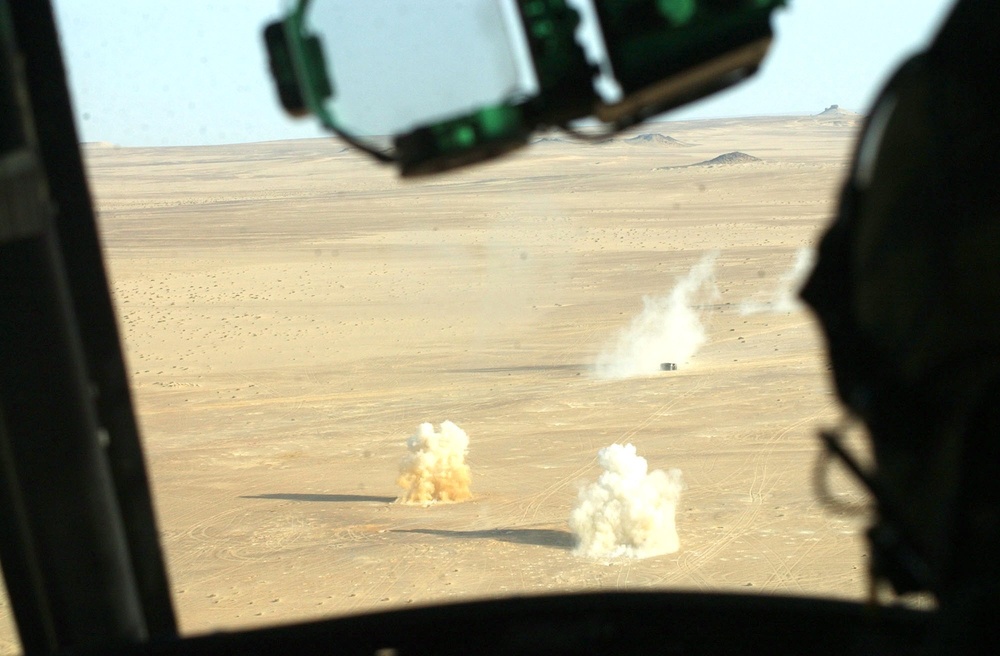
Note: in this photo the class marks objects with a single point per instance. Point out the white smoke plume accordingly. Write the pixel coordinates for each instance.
(435, 469)
(629, 511)
(669, 328)
(785, 297)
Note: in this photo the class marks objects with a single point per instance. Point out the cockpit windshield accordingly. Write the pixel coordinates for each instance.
(582, 366)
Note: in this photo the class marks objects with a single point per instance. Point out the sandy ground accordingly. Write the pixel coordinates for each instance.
(292, 312)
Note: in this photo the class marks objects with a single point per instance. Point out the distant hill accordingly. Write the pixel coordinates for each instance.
(729, 159)
(651, 139)
(660, 139)
(837, 110)
(837, 115)
(549, 140)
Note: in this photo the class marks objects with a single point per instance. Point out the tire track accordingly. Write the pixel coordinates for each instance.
(761, 484)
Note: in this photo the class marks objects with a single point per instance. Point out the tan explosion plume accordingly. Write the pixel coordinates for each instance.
(435, 469)
(629, 511)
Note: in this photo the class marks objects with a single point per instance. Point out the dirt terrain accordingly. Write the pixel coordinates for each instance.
(291, 313)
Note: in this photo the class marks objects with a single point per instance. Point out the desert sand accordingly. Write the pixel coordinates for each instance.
(292, 312)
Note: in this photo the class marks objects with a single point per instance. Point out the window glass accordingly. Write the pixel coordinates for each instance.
(298, 323)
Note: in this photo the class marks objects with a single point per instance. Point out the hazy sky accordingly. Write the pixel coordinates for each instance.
(195, 71)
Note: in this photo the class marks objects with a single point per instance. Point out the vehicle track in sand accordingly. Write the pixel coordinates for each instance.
(763, 480)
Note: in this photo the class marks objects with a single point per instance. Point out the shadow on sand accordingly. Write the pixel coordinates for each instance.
(538, 536)
(331, 498)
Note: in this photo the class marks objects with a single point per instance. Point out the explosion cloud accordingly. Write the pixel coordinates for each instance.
(785, 297)
(435, 469)
(669, 328)
(629, 511)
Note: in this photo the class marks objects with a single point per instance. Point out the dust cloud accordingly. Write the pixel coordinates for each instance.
(785, 297)
(435, 468)
(669, 328)
(630, 511)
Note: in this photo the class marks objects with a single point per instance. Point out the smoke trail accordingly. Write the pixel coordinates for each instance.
(785, 297)
(435, 469)
(668, 329)
(627, 512)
